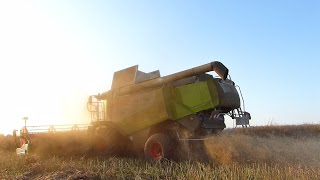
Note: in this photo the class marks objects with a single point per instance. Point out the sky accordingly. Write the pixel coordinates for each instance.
(55, 53)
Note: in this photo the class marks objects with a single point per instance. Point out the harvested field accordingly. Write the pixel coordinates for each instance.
(270, 152)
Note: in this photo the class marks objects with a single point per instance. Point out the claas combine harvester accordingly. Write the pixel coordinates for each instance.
(154, 114)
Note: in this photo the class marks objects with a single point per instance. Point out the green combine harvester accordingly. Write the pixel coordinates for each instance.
(153, 114)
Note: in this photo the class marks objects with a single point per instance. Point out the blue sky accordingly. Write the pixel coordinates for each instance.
(53, 54)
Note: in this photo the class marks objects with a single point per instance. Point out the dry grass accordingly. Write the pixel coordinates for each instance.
(273, 152)
(123, 168)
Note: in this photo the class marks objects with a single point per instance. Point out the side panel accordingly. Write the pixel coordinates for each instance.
(189, 99)
(138, 111)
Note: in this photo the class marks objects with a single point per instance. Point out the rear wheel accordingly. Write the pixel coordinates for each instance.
(158, 147)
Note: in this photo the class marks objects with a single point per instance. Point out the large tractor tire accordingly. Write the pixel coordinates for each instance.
(107, 141)
(158, 147)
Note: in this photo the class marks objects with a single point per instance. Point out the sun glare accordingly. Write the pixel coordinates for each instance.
(43, 71)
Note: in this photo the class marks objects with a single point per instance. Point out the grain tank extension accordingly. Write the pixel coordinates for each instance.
(149, 112)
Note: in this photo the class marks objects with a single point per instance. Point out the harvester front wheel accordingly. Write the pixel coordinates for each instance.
(106, 141)
(158, 147)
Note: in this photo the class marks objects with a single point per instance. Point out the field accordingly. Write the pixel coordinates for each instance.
(270, 152)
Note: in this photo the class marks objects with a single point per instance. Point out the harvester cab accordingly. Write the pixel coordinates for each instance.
(97, 109)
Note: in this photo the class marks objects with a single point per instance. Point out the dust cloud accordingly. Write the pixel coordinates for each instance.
(227, 149)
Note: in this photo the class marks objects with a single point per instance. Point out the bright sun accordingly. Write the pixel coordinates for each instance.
(42, 70)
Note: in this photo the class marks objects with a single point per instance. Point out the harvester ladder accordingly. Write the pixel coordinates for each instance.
(97, 110)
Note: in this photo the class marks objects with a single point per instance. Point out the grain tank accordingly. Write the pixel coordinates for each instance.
(150, 112)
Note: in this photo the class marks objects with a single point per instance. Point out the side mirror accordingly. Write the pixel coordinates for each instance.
(89, 103)
(14, 133)
(90, 100)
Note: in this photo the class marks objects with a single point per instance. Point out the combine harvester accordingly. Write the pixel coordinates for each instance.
(154, 115)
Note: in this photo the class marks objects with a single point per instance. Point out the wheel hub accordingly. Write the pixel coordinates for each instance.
(156, 151)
